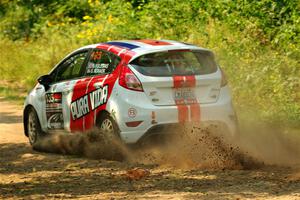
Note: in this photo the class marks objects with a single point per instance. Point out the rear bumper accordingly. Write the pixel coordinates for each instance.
(156, 117)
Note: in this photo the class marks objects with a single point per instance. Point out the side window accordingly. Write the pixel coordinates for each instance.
(70, 68)
(101, 62)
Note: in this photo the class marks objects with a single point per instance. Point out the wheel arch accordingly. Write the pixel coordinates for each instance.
(101, 114)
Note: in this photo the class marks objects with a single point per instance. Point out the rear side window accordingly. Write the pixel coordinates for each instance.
(175, 62)
(101, 62)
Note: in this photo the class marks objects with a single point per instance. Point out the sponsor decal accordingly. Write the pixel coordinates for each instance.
(132, 112)
(93, 100)
(53, 98)
(98, 97)
(80, 107)
(96, 68)
(55, 120)
(54, 113)
(96, 55)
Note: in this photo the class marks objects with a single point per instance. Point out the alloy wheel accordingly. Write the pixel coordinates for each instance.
(32, 128)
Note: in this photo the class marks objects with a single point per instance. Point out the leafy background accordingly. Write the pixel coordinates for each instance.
(256, 42)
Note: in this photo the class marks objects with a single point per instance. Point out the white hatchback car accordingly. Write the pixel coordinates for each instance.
(131, 88)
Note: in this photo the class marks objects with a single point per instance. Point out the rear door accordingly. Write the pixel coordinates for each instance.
(63, 111)
(102, 66)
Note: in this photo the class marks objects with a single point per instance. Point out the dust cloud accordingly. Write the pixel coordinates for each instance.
(271, 144)
(187, 147)
(191, 146)
(94, 144)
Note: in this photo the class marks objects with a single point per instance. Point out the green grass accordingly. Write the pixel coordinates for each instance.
(12, 94)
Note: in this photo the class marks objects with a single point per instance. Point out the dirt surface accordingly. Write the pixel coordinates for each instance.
(28, 174)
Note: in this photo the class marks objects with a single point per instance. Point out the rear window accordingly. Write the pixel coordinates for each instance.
(175, 62)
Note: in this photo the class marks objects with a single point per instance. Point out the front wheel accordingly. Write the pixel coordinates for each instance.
(33, 127)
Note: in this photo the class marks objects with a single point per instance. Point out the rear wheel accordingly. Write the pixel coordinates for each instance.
(108, 125)
(110, 138)
(33, 127)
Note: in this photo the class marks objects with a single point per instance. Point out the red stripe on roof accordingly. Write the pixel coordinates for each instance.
(104, 46)
(128, 56)
(125, 55)
(115, 49)
(154, 42)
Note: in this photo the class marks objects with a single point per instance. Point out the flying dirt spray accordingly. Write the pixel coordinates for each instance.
(188, 147)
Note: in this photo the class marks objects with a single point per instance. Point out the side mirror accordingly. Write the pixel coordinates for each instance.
(45, 80)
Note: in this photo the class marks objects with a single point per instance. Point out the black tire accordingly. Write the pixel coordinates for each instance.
(34, 131)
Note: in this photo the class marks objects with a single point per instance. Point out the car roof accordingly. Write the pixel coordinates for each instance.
(144, 46)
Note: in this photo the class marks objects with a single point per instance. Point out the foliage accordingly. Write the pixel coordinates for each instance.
(256, 42)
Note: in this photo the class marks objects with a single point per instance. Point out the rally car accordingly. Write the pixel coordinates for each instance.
(130, 88)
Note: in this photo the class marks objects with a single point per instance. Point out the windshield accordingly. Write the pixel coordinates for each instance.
(175, 62)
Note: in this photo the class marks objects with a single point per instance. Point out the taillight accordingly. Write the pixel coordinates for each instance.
(128, 80)
(224, 79)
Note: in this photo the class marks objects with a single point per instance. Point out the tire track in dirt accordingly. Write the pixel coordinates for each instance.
(25, 174)
(11, 128)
